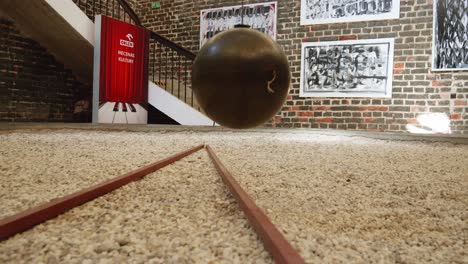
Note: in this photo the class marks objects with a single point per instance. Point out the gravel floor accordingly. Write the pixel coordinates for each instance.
(356, 200)
(338, 199)
(37, 167)
(172, 216)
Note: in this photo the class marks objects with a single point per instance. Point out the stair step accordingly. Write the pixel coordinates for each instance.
(181, 94)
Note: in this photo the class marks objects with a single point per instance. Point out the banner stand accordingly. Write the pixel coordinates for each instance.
(120, 74)
(97, 67)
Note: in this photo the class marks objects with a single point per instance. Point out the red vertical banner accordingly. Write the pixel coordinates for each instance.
(122, 82)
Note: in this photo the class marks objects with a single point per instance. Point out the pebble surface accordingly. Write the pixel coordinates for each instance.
(174, 215)
(38, 167)
(357, 200)
(337, 199)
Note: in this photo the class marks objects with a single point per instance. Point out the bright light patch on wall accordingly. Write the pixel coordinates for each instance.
(431, 123)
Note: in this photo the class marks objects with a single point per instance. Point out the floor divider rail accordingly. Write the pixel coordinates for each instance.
(22, 221)
(273, 240)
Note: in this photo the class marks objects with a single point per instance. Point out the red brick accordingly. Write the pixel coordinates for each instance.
(369, 120)
(325, 120)
(303, 120)
(455, 116)
(400, 65)
(413, 121)
(320, 108)
(374, 108)
(306, 114)
(348, 37)
(461, 102)
(440, 83)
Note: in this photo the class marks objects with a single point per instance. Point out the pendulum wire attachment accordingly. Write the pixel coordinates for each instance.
(242, 16)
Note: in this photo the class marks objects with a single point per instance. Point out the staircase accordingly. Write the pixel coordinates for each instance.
(66, 29)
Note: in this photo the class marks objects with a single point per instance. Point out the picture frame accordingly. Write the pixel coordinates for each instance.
(450, 35)
(341, 11)
(260, 16)
(350, 68)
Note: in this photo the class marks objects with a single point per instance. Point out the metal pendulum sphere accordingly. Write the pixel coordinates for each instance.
(241, 78)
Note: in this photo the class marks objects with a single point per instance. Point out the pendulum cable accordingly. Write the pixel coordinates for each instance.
(29, 218)
(242, 16)
(273, 240)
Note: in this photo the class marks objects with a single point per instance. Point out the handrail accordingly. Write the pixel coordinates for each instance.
(127, 8)
(179, 49)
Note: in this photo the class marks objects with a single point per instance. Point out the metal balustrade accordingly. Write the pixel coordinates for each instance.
(170, 68)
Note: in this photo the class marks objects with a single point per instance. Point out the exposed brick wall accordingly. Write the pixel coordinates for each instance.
(416, 89)
(33, 85)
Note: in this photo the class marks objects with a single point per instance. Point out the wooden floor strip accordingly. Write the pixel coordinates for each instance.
(24, 220)
(273, 240)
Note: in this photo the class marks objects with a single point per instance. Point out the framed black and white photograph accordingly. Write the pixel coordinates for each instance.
(450, 35)
(339, 11)
(261, 16)
(354, 68)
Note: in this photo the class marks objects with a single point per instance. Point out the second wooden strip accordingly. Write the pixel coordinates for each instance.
(272, 238)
